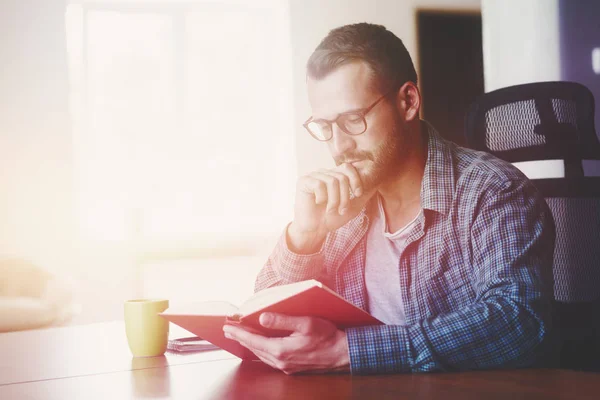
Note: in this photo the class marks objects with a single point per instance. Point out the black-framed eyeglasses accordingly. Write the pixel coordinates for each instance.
(352, 123)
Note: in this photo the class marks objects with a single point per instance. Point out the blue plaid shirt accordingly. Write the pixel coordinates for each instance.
(475, 278)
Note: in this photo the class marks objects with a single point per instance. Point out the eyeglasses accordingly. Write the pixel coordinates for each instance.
(352, 123)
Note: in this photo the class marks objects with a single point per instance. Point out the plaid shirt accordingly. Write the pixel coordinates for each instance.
(475, 278)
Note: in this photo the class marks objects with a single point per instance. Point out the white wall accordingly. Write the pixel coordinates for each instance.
(311, 20)
(35, 138)
(520, 42)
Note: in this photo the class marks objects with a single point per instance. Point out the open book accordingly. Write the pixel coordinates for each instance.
(305, 298)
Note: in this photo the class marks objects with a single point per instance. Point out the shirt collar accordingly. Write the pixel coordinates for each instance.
(437, 187)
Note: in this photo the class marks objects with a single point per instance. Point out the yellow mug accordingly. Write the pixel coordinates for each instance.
(147, 332)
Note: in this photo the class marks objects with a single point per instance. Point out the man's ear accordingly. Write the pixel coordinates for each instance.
(408, 101)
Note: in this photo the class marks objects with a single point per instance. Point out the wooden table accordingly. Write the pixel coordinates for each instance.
(93, 361)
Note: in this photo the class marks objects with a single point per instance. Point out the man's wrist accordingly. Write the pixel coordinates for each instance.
(343, 364)
(304, 242)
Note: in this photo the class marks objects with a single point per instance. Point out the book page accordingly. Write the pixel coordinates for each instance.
(275, 294)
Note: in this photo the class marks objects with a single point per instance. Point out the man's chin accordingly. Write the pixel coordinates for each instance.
(369, 181)
(373, 178)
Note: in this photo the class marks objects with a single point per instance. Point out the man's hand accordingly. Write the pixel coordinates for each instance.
(315, 345)
(323, 204)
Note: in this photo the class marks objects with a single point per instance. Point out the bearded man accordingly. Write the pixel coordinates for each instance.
(449, 247)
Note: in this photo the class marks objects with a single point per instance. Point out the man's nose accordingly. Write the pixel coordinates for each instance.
(341, 141)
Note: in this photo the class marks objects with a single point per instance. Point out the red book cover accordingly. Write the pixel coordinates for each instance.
(306, 298)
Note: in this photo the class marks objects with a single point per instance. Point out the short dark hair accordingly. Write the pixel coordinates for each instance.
(383, 51)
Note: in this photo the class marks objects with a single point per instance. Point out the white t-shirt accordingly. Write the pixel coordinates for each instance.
(382, 268)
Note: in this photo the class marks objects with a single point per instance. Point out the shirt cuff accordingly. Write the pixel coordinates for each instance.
(293, 267)
(380, 349)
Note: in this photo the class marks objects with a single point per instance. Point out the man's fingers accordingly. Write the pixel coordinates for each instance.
(275, 363)
(344, 185)
(304, 325)
(250, 340)
(313, 186)
(353, 178)
(266, 358)
(333, 190)
(269, 350)
(333, 187)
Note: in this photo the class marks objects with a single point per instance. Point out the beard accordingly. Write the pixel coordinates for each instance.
(385, 161)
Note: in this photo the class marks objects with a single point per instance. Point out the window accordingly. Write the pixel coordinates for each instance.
(182, 120)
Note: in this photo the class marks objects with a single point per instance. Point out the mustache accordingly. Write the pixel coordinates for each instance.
(353, 156)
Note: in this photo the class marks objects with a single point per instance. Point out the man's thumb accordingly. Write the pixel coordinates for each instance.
(285, 322)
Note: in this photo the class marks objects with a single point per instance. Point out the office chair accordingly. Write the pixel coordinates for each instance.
(535, 126)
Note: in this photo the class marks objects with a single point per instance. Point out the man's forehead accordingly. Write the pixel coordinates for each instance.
(346, 88)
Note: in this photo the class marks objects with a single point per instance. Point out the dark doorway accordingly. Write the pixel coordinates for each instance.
(451, 68)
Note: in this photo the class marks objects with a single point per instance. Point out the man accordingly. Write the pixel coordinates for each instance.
(449, 247)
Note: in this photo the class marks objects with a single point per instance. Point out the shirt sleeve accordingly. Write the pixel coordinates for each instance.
(284, 266)
(507, 325)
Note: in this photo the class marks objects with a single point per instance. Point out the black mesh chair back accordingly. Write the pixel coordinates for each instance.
(555, 121)
(536, 121)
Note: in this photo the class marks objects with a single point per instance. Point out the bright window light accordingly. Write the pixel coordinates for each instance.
(182, 118)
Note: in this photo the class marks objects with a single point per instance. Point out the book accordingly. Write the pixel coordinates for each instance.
(187, 344)
(305, 298)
